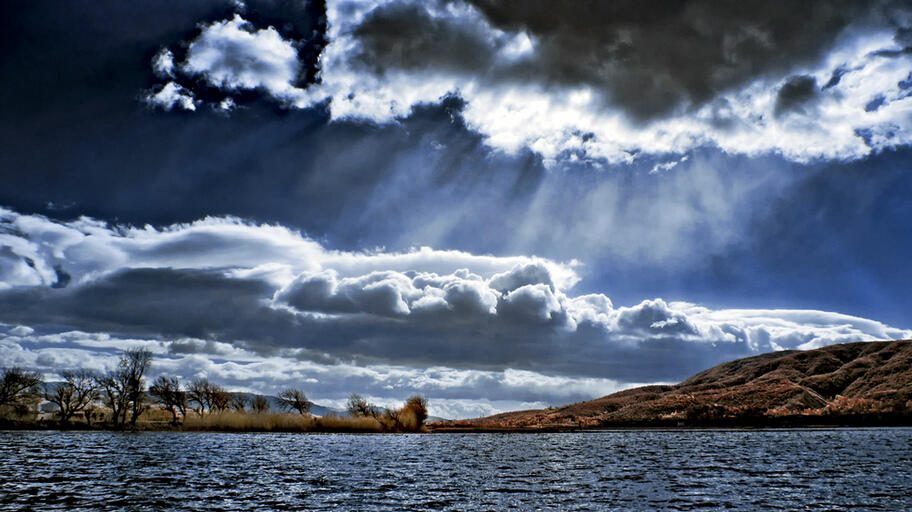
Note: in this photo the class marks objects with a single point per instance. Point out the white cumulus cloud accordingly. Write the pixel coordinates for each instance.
(171, 95)
(163, 64)
(233, 55)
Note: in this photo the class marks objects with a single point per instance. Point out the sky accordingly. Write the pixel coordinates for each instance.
(497, 204)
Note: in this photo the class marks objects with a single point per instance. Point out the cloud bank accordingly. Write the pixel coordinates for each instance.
(225, 296)
(605, 82)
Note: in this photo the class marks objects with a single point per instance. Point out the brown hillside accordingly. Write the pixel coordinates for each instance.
(865, 382)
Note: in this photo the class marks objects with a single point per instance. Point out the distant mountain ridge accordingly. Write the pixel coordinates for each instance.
(852, 383)
(276, 405)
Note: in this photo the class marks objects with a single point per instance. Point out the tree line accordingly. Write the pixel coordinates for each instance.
(123, 392)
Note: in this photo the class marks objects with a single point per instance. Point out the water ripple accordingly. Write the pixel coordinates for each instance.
(839, 469)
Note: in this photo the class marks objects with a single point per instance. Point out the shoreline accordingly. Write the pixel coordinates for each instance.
(178, 430)
(229, 423)
(552, 430)
(474, 429)
(773, 423)
(6, 428)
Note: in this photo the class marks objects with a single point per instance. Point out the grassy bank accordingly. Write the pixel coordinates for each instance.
(225, 421)
(280, 422)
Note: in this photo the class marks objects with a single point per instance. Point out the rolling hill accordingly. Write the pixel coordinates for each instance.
(866, 383)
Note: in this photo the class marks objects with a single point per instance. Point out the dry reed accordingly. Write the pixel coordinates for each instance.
(230, 421)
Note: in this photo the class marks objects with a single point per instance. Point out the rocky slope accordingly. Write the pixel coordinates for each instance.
(853, 383)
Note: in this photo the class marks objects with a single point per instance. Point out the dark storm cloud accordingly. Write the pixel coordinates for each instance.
(648, 59)
(797, 93)
(405, 36)
(144, 301)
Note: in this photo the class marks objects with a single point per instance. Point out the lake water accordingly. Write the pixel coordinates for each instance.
(841, 469)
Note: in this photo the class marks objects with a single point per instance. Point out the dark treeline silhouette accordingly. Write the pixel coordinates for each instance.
(19, 389)
(119, 399)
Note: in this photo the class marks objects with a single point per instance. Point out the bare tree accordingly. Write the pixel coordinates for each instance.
(208, 396)
(259, 404)
(219, 397)
(238, 402)
(124, 387)
(167, 391)
(358, 406)
(198, 391)
(78, 390)
(294, 399)
(137, 361)
(19, 387)
(113, 387)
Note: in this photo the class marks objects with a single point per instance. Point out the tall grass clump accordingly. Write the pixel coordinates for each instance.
(408, 418)
(232, 421)
(333, 423)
